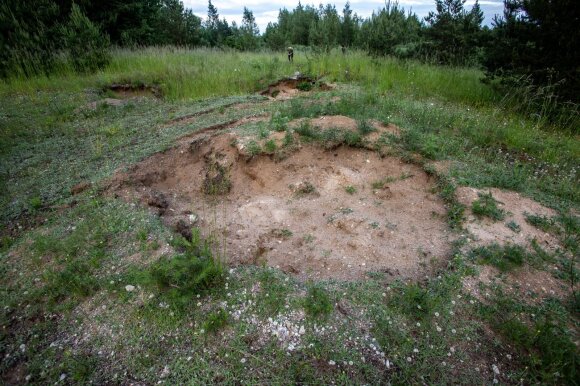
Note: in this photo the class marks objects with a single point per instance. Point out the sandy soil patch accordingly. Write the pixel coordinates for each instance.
(486, 231)
(296, 214)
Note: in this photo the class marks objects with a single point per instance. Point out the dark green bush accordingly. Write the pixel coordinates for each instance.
(87, 47)
(317, 302)
(183, 276)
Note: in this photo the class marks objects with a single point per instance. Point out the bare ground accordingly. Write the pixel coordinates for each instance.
(295, 214)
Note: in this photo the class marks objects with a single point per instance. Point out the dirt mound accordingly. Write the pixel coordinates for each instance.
(316, 213)
(487, 231)
(290, 87)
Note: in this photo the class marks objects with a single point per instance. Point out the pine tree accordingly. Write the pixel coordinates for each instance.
(88, 48)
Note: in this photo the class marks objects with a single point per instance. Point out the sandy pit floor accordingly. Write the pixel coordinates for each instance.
(296, 213)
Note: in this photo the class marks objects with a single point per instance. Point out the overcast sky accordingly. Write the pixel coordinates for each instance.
(267, 10)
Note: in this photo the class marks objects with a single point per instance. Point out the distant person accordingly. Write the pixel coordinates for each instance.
(290, 54)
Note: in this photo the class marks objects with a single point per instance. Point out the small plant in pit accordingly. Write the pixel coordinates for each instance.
(514, 226)
(216, 180)
(486, 206)
(317, 302)
(504, 257)
(253, 148)
(215, 321)
(346, 210)
(350, 189)
(194, 271)
(380, 184)
(282, 233)
(304, 188)
(270, 147)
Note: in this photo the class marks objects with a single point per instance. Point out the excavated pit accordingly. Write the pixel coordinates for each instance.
(315, 213)
(288, 88)
(128, 91)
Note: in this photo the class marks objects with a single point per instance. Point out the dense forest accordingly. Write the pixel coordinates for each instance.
(535, 43)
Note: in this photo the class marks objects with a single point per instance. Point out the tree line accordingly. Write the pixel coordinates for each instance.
(534, 40)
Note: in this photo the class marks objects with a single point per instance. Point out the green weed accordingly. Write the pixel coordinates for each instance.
(541, 222)
(270, 146)
(513, 226)
(541, 332)
(193, 272)
(486, 205)
(350, 189)
(253, 148)
(215, 321)
(504, 257)
(317, 302)
(364, 127)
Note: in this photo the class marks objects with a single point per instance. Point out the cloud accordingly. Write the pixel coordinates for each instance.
(266, 11)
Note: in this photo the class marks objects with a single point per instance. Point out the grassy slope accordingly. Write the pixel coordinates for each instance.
(67, 277)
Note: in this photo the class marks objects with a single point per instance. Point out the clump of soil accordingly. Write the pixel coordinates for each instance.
(127, 91)
(296, 213)
(290, 87)
(487, 231)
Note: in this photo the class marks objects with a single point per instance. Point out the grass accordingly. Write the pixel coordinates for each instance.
(486, 206)
(317, 302)
(350, 189)
(194, 319)
(505, 258)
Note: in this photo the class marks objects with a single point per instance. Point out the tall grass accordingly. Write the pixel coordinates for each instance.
(185, 74)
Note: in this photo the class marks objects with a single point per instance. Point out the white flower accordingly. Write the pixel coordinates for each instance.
(453, 331)
(243, 360)
(415, 350)
(331, 362)
(418, 324)
(437, 314)
(439, 329)
(409, 359)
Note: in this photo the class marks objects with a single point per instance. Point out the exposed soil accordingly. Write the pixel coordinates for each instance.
(296, 214)
(487, 231)
(290, 87)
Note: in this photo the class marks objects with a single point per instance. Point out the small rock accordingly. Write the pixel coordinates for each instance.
(130, 288)
(62, 377)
